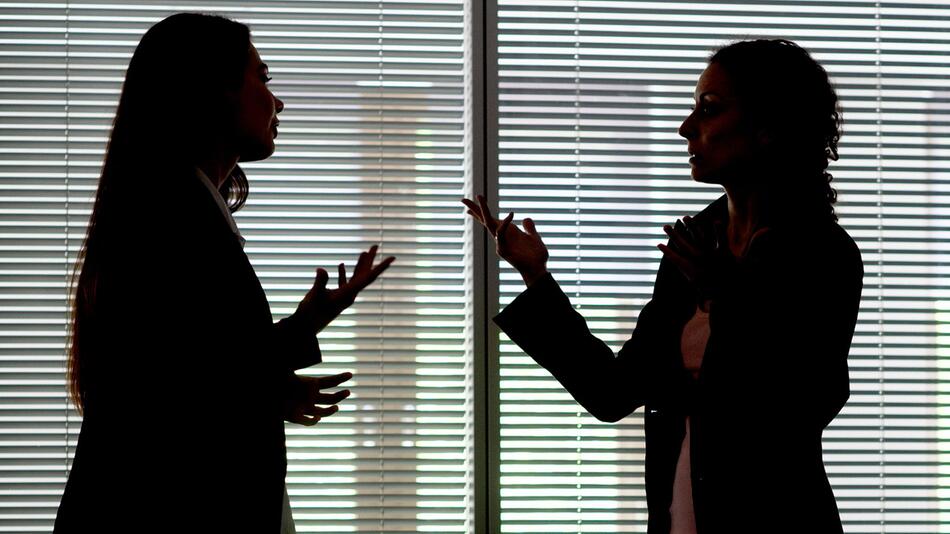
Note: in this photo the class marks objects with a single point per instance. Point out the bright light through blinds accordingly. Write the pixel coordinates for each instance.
(370, 150)
(591, 94)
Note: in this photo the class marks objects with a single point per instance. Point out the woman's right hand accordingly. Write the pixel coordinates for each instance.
(322, 305)
(524, 250)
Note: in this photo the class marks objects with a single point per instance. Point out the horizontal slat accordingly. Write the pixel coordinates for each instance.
(371, 149)
(591, 93)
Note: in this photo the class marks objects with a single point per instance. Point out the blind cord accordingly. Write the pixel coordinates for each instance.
(66, 265)
(382, 292)
(882, 481)
(577, 252)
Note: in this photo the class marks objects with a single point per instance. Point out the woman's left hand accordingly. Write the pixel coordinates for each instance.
(304, 393)
(694, 250)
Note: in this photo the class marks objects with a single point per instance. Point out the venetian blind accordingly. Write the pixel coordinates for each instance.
(591, 93)
(370, 151)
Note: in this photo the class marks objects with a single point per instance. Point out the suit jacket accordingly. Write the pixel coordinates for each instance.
(183, 425)
(774, 374)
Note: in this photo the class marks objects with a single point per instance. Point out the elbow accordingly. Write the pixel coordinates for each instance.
(608, 402)
(609, 411)
(609, 417)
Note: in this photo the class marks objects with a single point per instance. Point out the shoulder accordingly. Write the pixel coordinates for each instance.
(808, 253)
(716, 212)
(826, 237)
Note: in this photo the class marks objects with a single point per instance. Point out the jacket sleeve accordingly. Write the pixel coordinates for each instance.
(295, 344)
(542, 322)
(781, 327)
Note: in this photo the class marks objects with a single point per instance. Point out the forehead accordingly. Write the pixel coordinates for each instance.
(255, 58)
(715, 81)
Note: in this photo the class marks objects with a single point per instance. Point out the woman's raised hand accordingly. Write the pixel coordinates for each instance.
(321, 304)
(695, 250)
(524, 250)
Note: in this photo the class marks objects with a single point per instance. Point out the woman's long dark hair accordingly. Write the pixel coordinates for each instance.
(790, 96)
(171, 112)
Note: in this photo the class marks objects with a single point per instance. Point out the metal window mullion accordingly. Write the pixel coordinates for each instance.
(484, 134)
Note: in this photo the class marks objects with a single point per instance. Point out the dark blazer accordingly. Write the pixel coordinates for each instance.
(774, 374)
(183, 427)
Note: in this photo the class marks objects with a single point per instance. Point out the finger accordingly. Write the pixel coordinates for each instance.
(366, 259)
(340, 275)
(332, 381)
(321, 280)
(473, 208)
(360, 264)
(371, 256)
(503, 227)
(680, 240)
(476, 214)
(330, 398)
(680, 261)
(529, 226)
(679, 226)
(301, 419)
(383, 265)
(671, 254)
(375, 272)
(695, 230)
(319, 412)
(687, 224)
(487, 218)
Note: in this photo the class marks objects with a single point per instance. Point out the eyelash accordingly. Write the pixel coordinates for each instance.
(266, 78)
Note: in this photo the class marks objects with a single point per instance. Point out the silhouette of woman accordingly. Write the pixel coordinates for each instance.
(740, 357)
(182, 375)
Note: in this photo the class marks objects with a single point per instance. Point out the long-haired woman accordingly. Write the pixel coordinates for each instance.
(183, 377)
(740, 358)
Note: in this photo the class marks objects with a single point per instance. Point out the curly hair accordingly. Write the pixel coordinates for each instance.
(790, 97)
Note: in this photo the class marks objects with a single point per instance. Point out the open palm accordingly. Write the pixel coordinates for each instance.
(322, 304)
(523, 249)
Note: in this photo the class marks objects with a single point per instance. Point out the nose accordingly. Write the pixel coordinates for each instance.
(278, 105)
(686, 128)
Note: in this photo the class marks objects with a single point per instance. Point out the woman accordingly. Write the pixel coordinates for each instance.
(740, 358)
(183, 377)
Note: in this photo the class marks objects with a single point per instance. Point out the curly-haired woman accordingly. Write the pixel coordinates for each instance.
(740, 358)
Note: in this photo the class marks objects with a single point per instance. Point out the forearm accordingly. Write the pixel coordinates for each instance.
(295, 344)
(542, 322)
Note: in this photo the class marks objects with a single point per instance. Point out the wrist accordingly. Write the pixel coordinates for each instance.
(532, 276)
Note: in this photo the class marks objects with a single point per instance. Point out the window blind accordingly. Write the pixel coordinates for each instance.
(370, 151)
(34, 415)
(590, 97)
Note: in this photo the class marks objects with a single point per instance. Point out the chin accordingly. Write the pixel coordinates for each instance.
(704, 178)
(258, 152)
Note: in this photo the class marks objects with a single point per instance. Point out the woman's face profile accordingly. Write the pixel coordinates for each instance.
(720, 141)
(257, 110)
